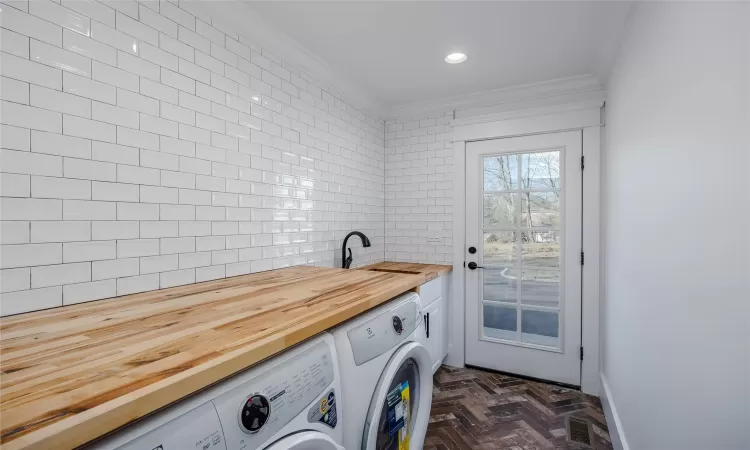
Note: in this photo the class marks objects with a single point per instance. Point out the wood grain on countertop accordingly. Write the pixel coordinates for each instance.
(429, 271)
(71, 374)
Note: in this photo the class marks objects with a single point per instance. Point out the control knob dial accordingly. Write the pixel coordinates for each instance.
(254, 413)
(398, 325)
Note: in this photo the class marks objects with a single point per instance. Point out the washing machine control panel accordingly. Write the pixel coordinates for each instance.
(384, 331)
(256, 410)
(199, 429)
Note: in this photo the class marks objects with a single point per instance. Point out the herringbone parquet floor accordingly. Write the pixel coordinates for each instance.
(478, 410)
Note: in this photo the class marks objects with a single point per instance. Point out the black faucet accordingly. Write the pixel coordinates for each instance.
(346, 262)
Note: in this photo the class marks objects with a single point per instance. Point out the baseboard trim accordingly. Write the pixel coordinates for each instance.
(453, 361)
(616, 433)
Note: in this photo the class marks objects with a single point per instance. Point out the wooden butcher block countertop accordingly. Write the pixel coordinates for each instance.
(429, 271)
(69, 375)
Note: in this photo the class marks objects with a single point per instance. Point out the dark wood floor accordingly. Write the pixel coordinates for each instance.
(473, 409)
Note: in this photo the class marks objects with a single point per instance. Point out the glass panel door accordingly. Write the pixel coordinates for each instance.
(523, 286)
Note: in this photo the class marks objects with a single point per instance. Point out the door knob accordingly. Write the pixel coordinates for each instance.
(474, 266)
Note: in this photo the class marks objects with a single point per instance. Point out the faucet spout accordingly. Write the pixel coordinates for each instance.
(346, 262)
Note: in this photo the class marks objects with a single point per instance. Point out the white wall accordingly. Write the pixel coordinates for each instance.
(144, 147)
(419, 188)
(677, 211)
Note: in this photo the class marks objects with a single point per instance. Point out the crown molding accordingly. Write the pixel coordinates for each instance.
(509, 98)
(242, 18)
(535, 108)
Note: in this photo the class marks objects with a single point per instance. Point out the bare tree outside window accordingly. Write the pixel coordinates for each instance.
(524, 190)
(500, 174)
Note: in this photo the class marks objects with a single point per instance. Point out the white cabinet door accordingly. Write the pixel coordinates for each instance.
(435, 329)
(446, 299)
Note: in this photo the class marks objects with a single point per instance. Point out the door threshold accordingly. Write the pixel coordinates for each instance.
(524, 377)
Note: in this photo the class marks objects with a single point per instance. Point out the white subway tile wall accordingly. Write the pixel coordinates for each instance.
(143, 147)
(419, 188)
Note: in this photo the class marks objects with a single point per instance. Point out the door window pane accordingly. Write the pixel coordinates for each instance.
(500, 210)
(540, 248)
(540, 209)
(500, 248)
(500, 284)
(501, 173)
(500, 322)
(540, 287)
(540, 170)
(540, 327)
(521, 247)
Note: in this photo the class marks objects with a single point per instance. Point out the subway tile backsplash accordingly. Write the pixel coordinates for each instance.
(419, 188)
(144, 147)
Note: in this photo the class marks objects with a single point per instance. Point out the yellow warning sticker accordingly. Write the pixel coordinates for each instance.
(323, 405)
(404, 434)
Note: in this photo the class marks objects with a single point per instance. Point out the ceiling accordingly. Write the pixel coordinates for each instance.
(394, 50)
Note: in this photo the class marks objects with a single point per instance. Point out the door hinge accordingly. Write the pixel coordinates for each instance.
(582, 164)
(581, 353)
(581, 257)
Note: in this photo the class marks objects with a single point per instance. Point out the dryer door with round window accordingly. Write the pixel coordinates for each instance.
(400, 407)
(305, 440)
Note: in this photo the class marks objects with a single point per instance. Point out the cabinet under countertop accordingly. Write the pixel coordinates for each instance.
(69, 375)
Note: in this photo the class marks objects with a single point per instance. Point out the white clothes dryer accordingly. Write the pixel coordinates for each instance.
(386, 377)
(292, 401)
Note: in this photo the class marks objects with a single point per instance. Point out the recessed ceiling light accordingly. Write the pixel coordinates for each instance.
(455, 58)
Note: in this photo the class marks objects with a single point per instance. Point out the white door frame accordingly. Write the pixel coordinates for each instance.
(585, 116)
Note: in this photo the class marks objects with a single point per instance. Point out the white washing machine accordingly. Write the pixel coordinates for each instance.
(292, 401)
(386, 377)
